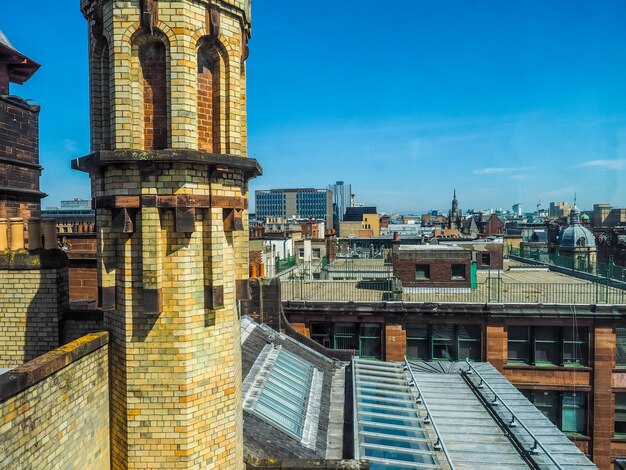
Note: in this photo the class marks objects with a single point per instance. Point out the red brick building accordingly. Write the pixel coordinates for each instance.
(575, 374)
(432, 265)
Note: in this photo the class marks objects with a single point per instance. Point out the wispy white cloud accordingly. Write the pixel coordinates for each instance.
(499, 170)
(70, 145)
(604, 164)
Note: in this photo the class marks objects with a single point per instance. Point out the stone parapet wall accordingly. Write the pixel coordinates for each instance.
(54, 410)
(33, 297)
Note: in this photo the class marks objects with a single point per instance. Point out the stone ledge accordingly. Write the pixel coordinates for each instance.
(27, 375)
(33, 260)
(305, 464)
(103, 158)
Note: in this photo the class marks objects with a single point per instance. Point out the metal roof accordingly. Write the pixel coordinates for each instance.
(479, 429)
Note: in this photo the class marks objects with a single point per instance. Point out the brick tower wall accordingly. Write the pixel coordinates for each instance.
(172, 225)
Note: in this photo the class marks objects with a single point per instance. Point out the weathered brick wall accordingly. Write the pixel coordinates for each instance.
(33, 296)
(395, 343)
(19, 159)
(54, 411)
(83, 280)
(603, 363)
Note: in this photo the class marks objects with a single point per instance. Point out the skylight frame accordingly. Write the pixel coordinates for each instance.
(288, 380)
(388, 384)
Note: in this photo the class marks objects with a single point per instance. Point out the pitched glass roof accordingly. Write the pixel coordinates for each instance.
(389, 431)
(285, 390)
(284, 395)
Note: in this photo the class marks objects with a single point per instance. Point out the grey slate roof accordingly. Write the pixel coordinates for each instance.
(475, 432)
(261, 439)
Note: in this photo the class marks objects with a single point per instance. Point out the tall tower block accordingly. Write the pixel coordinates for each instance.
(169, 178)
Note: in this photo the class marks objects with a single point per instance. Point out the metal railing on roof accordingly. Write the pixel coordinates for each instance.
(429, 416)
(514, 418)
(491, 290)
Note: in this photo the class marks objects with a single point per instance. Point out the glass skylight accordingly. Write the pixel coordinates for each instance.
(283, 398)
(389, 432)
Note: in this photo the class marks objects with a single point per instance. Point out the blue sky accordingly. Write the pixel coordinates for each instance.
(506, 101)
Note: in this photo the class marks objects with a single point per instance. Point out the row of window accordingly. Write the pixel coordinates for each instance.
(567, 410)
(562, 346)
(443, 342)
(362, 337)
(547, 345)
(424, 342)
(457, 272)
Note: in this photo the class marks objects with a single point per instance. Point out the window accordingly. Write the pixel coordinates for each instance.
(573, 412)
(301, 252)
(422, 272)
(620, 414)
(458, 271)
(365, 338)
(417, 342)
(469, 342)
(345, 336)
(320, 332)
(317, 254)
(547, 345)
(485, 259)
(519, 344)
(567, 410)
(443, 342)
(620, 358)
(369, 340)
(574, 346)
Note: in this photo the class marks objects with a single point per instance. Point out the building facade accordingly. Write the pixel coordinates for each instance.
(303, 203)
(342, 199)
(574, 372)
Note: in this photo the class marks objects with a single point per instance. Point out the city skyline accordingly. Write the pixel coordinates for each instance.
(507, 103)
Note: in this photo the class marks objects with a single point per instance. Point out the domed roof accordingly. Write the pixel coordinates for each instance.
(576, 236)
(584, 217)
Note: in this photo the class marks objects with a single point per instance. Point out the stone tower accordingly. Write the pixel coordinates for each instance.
(169, 178)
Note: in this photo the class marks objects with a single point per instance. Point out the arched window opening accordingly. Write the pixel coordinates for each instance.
(153, 61)
(101, 104)
(209, 96)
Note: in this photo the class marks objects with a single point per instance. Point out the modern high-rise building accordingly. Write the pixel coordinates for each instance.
(342, 194)
(305, 203)
(518, 209)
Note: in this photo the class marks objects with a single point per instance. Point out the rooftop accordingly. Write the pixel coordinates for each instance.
(372, 281)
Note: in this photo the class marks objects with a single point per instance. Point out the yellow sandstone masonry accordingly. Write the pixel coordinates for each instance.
(170, 256)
